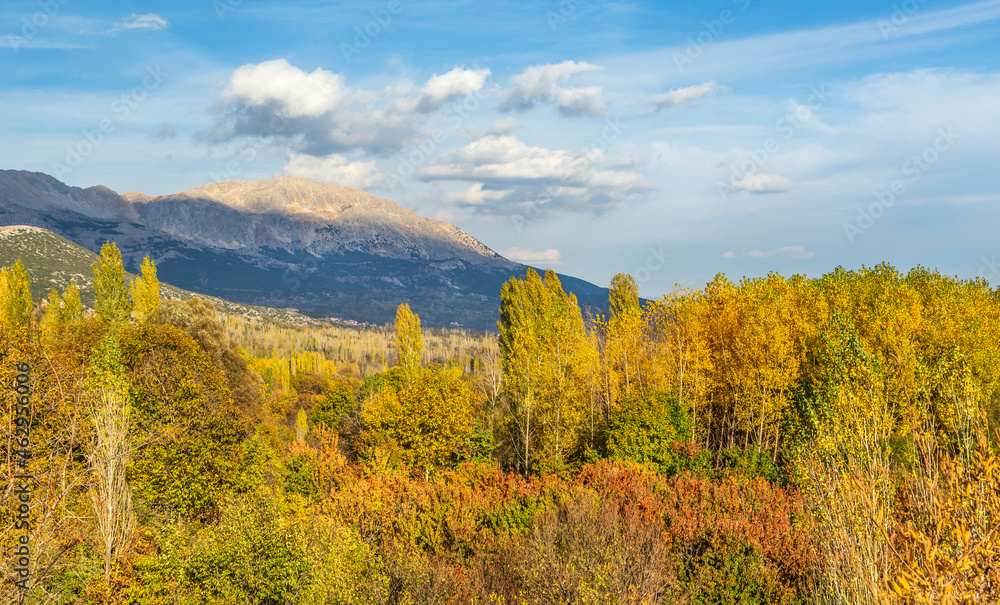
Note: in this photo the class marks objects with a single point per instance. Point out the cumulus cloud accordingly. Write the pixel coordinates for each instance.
(150, 21)
(544, 258)
(458, 82)
(293, 92)
(791, 252)
(729, 254)
(554, 177)
(762, 183)
(334, 169)
(544, 84)
(475, 195)
(683, 96)
(317, 114)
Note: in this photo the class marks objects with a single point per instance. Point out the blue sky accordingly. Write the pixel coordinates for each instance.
(672, 140)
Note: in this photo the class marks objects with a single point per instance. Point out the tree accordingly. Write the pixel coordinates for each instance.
(428, 422)
(145, 291)
(15, 291)
(620, 343)
(409, 340)
(546, 360)
(72, 308)
(198, 319)
(110, 453)
(110, 287)
(52, 317)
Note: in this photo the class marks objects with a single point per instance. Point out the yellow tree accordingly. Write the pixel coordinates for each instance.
(624, 360)
(680, 360)
(15, 292)
(145, 291)
(51, 316)
(72, 307)
(546, 361)
(110, 286)
(409, 341)
(426, 422)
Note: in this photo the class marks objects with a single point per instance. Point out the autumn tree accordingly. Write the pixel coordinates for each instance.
(110, 286)
(427, 422)
(110, 453)
(621, 345)
(409, 340)
(199, 320)
(72, 307)
(15, 296)
(145, 291)
(546, 361)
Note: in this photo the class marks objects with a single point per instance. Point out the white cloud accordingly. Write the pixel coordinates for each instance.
(317, 114)
(150, 21)
(792, 252)
(297, 93)
(334, 169)
(458, 82)
(543, 84)
(556, 177)
(507, 125)
(683, 96)
(762, 183)
(729, 254)
(476, 195)
(545, 258)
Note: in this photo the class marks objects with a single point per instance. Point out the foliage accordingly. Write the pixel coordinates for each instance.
(409, 341)
(427, 422)
(110, 287)
(145, 291)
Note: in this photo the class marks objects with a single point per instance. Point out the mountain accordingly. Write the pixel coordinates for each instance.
(53, 261)
(288, 242)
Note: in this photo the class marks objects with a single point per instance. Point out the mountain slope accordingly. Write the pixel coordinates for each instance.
(53, 261)
(286, 242)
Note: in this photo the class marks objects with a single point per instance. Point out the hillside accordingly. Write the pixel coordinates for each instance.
(53, 261)
(288, 242)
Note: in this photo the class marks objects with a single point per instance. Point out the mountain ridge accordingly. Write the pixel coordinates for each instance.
(286, 242)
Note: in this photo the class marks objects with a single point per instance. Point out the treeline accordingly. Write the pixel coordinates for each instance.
(772, 441)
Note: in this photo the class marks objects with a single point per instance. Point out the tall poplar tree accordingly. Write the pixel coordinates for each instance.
(15, 296)
(145, 290)
(409, 341)
(110, 286)
(546, 362)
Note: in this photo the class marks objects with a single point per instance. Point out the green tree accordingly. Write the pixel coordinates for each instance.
(110, 286)
(409, 340)
(145, 291)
